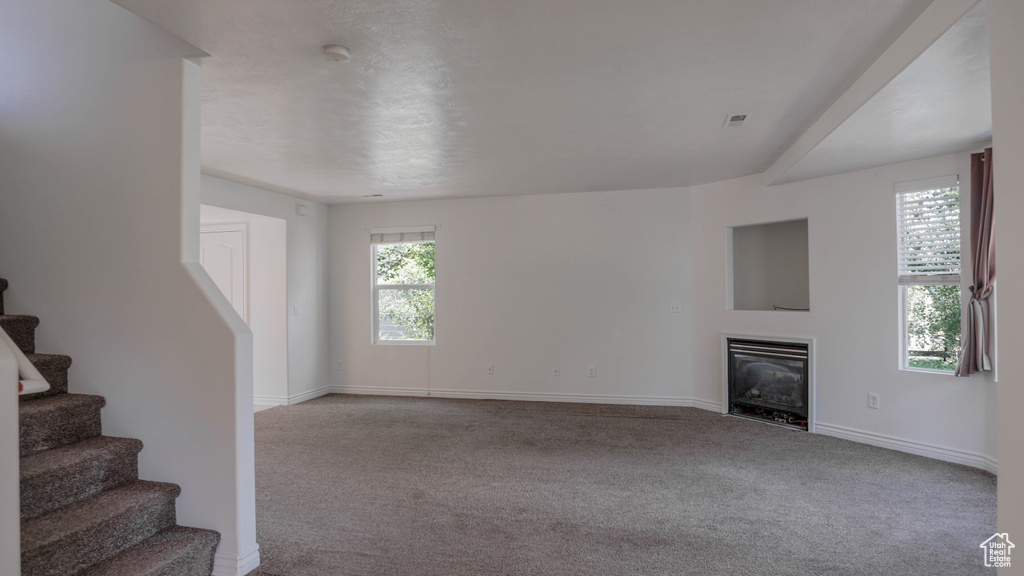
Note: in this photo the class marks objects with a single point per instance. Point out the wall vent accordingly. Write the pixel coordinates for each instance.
(735, 120)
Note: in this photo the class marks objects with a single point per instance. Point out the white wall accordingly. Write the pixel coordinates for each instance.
(527, 283)
(267, 285)
(769, 266)
(99, 171)
(1007, 50)
(854, 310)
(308, 357)
(10, 503)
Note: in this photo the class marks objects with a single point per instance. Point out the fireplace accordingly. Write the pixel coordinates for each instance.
(770, 381)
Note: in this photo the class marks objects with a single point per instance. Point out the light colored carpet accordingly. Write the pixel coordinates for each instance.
(363, 485)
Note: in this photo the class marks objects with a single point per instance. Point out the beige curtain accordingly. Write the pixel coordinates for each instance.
(976, 353)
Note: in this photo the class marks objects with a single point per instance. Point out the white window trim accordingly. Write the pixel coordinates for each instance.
(947, 280)
(375, 288)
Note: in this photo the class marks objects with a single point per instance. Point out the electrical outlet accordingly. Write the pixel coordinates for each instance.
(338, 365)
(593, 372)
(490, 369)
(558, 371)
(873, 401)
(295, 310)
(675, 307)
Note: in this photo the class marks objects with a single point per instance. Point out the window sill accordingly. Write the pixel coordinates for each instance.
(406, 342)
(929, 371)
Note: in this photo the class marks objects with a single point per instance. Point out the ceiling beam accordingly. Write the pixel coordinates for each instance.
(939, 17)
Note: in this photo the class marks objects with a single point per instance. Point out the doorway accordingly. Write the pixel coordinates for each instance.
(245, 255)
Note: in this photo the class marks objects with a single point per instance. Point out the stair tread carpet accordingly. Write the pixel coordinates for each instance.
(179, 551)
(54, 369)
(58, 420)
(49, 361)
(71, 473)
(22, 330)
(75, 537)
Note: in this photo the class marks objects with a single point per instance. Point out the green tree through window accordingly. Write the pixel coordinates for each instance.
(405, 291)
(933, 326)
(928, 225)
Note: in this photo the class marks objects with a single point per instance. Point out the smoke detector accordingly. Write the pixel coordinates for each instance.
(336, 53)
(735, 120)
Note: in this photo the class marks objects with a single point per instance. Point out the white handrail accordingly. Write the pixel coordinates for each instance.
(29, 379)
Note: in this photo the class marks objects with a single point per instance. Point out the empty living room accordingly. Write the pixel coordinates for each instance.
(440, 287)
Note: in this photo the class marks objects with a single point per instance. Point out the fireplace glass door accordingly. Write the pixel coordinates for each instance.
(768, 381)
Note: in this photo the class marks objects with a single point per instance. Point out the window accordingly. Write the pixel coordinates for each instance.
(403, 285)
(928, 227)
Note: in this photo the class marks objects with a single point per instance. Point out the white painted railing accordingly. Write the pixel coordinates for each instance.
(29, 379)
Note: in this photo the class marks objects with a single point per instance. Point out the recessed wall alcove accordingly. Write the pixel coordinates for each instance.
(768, 267)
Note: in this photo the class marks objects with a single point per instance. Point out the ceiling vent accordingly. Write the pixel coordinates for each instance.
(735, 120)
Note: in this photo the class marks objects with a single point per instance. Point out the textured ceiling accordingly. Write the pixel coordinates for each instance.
(447, 98)
(941, 103)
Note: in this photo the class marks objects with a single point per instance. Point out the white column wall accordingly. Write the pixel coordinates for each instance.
(99, 171)
(1007, 50)
(10, 497)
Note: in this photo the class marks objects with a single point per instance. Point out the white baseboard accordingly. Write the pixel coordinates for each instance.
(323, 390)
(226, 565)
(943, 453)
(707, 405)
(531, 396)
(270, 400)
(289, 400)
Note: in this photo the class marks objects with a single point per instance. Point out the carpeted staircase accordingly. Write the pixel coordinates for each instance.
(84, 511)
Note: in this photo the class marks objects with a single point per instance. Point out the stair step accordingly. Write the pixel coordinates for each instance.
(75, 537)
(69, 474)
(3, 287)
(179, 551)
(54, 369)
(21, 329)
(58, 421)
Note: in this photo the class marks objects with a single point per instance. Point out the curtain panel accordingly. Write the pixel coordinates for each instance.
(976, 347)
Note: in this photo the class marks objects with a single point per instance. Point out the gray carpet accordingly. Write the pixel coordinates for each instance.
(359, 485)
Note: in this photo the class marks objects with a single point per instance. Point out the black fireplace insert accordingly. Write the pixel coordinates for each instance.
(769, 381)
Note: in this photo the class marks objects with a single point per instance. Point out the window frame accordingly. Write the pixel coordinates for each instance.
(375, 288)
(927, 279)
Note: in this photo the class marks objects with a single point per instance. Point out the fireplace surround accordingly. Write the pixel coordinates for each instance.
(770, 379)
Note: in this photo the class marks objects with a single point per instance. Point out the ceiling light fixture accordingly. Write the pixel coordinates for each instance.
(336, 53)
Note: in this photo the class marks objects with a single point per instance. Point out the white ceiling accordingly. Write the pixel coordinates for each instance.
(941, 103)
(447, 98)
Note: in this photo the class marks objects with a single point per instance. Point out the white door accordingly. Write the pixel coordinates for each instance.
(222, 252)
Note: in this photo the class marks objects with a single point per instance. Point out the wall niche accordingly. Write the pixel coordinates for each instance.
(768, 267)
